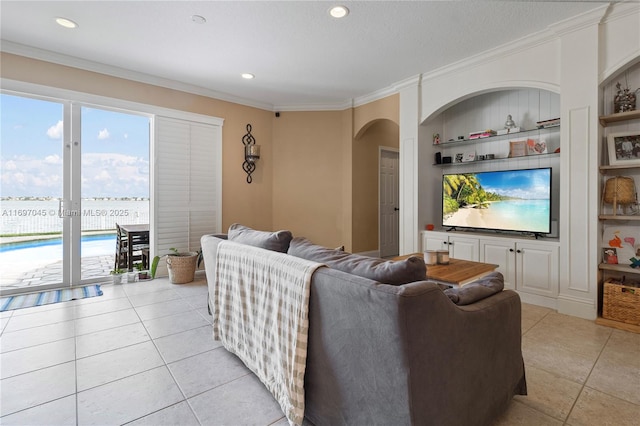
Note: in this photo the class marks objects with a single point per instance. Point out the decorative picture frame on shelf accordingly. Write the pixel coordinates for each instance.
(610, 256)
(624, 148)
(517, 148)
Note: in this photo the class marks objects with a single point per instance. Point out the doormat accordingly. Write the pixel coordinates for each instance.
(46, 297)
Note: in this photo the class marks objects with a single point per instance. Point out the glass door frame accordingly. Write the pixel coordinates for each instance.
(70, 205)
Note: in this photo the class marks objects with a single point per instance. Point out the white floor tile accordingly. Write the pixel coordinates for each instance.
(206, 371)
(165, 326)
(37, 357)
(37, 319)
(38, 387)
(128, 399)
(37, 335)
(105, 321)
(251, 404)
(113, 365)
(108, 340)
(61, 412)
(178, 414)
(102, 307)
(153, 297)
(188, 343)
(163, 309)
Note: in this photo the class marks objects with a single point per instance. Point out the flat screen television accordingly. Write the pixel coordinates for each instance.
(507, 200)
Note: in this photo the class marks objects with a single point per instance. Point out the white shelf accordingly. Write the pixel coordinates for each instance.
(618, 268)
(617, 217)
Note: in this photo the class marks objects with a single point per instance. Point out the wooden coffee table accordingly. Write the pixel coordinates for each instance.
(457, 273)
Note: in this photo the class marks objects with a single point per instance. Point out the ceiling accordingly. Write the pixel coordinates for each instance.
(301, 57)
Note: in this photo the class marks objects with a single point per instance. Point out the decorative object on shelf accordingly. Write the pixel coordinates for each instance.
(481, 134)
(509, 124)
(552, 122)
(446, 159)
(468, 156)
(610, 256)
(624, 148)
(438, 158)
(620, 191)
(251, 154)
(625, 99)
(535, 147)
(490, 156)
(635, 262)
(459, 157)
(517, 148)
(436, 138)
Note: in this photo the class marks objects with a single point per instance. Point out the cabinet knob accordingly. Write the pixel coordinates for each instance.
(511, 250)
(518, 251)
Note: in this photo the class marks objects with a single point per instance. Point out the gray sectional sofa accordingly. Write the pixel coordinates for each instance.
(401, 353)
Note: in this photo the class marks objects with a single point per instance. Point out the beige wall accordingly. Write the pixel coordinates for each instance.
(309, 175)
(304, 180)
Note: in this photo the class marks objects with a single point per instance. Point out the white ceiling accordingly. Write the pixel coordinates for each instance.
(301, 57)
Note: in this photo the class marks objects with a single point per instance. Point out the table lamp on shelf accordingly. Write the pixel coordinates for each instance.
(621, 191)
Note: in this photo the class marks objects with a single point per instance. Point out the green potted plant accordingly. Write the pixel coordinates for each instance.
(143, 274)
(117, 275)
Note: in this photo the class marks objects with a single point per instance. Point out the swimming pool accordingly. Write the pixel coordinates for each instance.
(88, 241)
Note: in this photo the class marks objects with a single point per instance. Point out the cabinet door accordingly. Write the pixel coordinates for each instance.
(434, 241)
(502, 253)
(537, 268)
(464, 248)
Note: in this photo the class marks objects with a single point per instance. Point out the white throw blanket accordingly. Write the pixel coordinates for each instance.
(260, 307)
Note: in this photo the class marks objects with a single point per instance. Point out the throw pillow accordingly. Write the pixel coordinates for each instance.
(482, 288)
(383, 271)
(275, 241)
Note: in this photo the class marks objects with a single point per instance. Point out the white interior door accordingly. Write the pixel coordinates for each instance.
(389, 202)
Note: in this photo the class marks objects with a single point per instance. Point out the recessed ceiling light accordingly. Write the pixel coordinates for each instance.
(339, 11)
(198, 19)
(67, 23)
(248, 76)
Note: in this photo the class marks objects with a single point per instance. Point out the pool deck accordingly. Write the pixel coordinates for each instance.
(92, 267)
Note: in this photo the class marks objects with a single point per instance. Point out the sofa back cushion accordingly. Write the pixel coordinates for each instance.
(275, 241)
(383, 271)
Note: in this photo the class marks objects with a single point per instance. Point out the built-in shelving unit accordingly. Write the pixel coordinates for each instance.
(618, 269)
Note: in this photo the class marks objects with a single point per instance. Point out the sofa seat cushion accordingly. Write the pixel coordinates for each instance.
(274, 241)
(383, 271)
(477, 290)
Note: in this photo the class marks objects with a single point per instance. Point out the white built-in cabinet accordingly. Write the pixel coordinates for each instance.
(529, 266)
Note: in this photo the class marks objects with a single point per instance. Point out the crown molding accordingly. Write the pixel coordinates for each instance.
(584, 20)
(66, 60)
(316, 107)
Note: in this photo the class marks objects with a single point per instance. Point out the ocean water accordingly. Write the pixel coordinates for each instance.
(41, 216)
(523, 215)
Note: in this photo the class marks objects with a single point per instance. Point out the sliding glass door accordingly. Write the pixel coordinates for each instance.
(70, 172)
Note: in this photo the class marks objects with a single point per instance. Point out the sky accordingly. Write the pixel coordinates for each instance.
(525, 184)
(115, 150)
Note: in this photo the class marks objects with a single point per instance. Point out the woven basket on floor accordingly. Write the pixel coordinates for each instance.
(619, 190)
(621, 303)
(182, 267)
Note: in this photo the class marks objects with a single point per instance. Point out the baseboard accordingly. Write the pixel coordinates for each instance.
(578, 308)
(535, 299)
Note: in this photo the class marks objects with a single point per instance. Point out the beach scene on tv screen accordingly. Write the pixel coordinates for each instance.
(515, 200)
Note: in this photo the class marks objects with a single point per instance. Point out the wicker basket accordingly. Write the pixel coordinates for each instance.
(619, 190)
(621, 303)
(182, 267)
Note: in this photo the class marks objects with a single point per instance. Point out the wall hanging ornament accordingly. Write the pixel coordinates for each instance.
(251, 154)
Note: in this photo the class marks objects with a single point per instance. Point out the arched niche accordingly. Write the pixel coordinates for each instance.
(370, 138)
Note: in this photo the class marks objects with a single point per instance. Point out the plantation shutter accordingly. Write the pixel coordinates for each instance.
(187, 178)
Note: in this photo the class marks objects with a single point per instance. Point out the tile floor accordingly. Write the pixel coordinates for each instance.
(142, 354)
